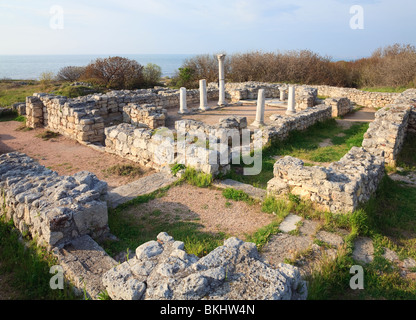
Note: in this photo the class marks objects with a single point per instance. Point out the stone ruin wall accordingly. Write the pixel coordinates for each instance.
(85, 118)
(53, 209)
(345, 184)
(64, 212)
(363, 98)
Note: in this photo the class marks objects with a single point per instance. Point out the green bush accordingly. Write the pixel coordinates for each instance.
(152, 74)
(177, 167)
(197, 178)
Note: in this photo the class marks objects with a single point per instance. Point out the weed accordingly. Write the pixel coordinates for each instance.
(47, 135)
(197, 178)
(125, 170)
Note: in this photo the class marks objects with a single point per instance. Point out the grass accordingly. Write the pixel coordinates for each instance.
(197, 178)
(305, 145)
(27, 267)
(12, 116)
(124, 170)
(407, 156)
(385, 89)
(47, 135)
(13, 91)
(237, 195)
(133, 229)
(389, 219)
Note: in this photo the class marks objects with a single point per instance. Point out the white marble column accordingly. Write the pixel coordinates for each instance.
(182, 101)
(203, 98)
(291, 101)
(282, 94)
(261, 106)
(221, 100)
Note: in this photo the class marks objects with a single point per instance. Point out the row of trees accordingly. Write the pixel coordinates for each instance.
(393, 65)
(114, 73)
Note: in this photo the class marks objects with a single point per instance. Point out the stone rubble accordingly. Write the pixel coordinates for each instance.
(162, 270)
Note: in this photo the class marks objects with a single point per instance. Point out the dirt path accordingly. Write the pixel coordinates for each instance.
(62, 154)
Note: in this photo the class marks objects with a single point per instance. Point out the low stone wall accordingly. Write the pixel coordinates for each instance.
(191, 143)
(148, 114)
(387, 132)
(140, 145)
(84, 118)
(249, 90)
(340, 106)
(353, 180)
(362, 98)
(282, 125)
(162, 270)
(339, 188)
(54, 209)
(305, 97)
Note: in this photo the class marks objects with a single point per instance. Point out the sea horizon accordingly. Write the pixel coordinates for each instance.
(31, 66)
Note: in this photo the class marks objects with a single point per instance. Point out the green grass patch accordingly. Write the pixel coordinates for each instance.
(399, 89)
(304, 145)
(197, 178)
(237, 195)
(407, 156)
(28, 267)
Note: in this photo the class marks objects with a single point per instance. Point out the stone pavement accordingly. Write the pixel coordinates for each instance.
(139, 187)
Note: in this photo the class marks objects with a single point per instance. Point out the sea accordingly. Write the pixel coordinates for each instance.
(30, 67)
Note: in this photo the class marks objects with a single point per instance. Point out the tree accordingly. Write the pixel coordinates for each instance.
(152, 74)
(115, 73)
(70, 73)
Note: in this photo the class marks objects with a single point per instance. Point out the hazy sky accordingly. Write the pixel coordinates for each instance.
(209, 26)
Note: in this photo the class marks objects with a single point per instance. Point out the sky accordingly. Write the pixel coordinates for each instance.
(330, 28)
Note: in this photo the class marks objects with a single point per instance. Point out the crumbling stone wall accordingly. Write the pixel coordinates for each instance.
(353, 180)
(249, 90)
(148, 114)
(282, 125)
(340, 106)
(339, 188)
(387, 132)
(162, 270)
(362, 98)
(84, 118)
(54, 209)
(191, 143)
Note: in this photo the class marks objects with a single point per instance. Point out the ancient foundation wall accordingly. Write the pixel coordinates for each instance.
(85, 118)
(51, 208)
(339, 188)
(345, 184)
(362, 98)
(282, 125)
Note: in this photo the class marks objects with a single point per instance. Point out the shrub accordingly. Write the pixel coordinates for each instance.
(152, 74)
(185, 77)
(70, 73)
(115, 73)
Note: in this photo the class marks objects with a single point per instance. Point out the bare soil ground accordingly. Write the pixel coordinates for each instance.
(62, 154)
(209, 208)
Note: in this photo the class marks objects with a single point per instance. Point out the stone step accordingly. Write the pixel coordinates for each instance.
(253, 192)
(84, 262)
(145, 185)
